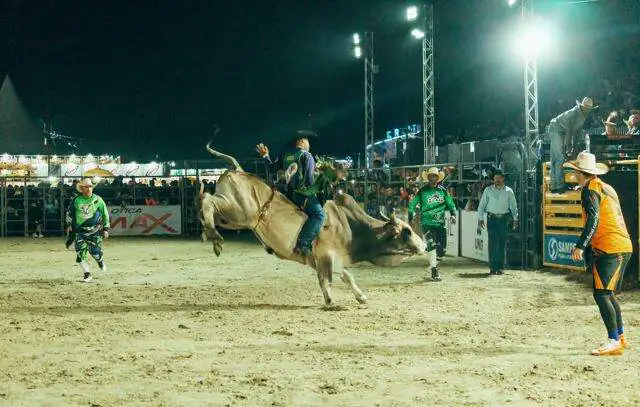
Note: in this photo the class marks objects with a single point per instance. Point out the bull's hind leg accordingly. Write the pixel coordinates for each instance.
(324, 270)
(348, 279)
(212, 205)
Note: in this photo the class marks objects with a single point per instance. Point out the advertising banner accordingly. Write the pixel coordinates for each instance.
(124, 170)
(475, 241)
(145, 220)
(453, 243)
(557, 251)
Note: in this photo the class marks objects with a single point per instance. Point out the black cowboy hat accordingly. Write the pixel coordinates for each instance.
(302, 134)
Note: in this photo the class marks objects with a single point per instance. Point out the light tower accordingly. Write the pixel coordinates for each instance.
(424, 30)
(363, 47)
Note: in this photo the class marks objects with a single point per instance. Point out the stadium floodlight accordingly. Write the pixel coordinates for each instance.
(536, 38)
(356, 39)
(417, 33)
(412, 13)
(512, 2)
(358, 51)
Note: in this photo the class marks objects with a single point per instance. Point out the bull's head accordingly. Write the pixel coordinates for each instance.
(396, 241)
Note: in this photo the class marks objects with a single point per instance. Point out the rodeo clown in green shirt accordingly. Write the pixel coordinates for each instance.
(433, 200)
(87, 222)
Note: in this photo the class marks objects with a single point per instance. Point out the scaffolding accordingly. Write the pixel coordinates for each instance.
(428, 91)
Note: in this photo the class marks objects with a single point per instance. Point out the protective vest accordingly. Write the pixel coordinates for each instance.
(611, 235)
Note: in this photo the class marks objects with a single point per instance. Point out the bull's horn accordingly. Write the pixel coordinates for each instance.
(201, 189)
(384, 217)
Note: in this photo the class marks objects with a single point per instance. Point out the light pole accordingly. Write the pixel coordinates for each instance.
(423, 30)
(363, 47)
(370, 69)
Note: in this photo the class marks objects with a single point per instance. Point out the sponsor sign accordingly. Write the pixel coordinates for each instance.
(474, 241)
(145, 220)
(453, 242)
(124, 170)
(557, 250)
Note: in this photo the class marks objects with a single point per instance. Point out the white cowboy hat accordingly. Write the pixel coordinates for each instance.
(84, 183)
(586, 103)
(586, 162)
(633, 119)
(433, 170)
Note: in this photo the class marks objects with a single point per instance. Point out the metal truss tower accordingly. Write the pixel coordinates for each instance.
(530, 89)
(370, 69)
(428, 91)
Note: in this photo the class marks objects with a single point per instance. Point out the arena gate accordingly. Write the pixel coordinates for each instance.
(563, 221)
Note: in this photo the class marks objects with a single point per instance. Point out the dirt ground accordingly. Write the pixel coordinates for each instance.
(172, 325)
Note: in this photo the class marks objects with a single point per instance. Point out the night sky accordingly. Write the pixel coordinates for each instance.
(156, 77)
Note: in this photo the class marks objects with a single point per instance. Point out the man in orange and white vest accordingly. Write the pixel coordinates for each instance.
(606, 239)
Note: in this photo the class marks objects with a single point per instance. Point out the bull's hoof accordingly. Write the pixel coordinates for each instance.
(269, 250)
(362, 299)
(217, 248)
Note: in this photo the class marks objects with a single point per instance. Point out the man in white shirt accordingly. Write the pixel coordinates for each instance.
(498, 200)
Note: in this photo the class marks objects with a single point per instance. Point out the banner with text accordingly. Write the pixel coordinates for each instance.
(145, 220)
(475, 241)
(557, 251)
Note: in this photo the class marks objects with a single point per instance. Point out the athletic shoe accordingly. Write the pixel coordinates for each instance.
(610, 348)
(103, 266)
(623, 341)
(435, 276)
(87, 277)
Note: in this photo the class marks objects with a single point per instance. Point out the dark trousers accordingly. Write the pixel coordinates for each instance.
(497, 230)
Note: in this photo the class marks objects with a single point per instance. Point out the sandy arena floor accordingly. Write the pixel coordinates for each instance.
(172, 325)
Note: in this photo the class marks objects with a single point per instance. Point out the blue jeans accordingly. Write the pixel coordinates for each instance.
(497, 229)
(315, 217)
(557, 158)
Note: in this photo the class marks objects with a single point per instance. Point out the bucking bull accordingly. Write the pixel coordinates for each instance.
(348, 234)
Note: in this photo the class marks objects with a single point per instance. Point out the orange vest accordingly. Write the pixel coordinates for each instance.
(611, 234)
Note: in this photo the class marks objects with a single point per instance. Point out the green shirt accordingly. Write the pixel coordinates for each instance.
(87, 214)
(433, 202)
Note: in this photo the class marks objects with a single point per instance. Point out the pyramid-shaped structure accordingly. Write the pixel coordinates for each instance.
(19, 134)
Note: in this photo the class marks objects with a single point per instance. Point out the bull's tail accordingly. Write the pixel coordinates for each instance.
(225, 157)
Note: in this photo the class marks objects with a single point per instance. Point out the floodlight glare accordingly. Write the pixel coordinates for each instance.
(535, 39)
(357, 51)
(412, 13)
(356, 39)
(419, 34)
(512, 2)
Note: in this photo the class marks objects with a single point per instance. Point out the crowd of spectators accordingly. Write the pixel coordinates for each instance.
(41, 205)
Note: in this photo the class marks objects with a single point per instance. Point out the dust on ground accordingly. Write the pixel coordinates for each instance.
(170, 324)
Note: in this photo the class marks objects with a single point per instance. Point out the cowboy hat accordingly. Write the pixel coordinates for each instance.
(85, 183)
(586, 162)
(302, 134)
(432, 170)
(587, 103)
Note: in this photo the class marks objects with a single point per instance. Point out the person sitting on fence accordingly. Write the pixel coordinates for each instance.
(562, 130)
(433, 200)
(633, 124)
(87, 222)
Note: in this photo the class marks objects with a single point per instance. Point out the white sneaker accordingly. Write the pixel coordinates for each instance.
(609, 348)
(104, 267)
(87, 277)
